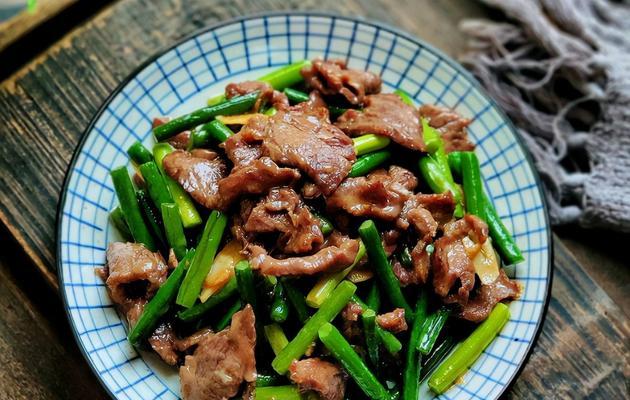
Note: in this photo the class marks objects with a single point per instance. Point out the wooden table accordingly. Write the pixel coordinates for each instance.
(583, 351)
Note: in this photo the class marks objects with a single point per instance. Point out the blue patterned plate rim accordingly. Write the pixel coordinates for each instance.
(376, 24)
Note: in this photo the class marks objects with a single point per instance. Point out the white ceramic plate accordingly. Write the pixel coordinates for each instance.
(181, 78)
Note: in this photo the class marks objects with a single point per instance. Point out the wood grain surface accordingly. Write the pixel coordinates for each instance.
(14, 28)
(583, 351)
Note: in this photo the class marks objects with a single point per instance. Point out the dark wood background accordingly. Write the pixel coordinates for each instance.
(57, 72)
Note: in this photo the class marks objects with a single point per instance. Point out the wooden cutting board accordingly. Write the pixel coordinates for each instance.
(45, 106)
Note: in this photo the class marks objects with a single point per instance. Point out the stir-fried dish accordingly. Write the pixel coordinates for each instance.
(307, 236)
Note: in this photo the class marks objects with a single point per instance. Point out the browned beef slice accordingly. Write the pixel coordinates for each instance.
(393, 321)
(283, 211)
(388, 115)
(326, 379)
(267, 94)
(380, 194)
(133, 274)
(162, 341)
(331, 258)
(179, 141)
(419, 271)
(451, 125)
(483, 301)
(305, 139)
(331, 78)
(451, 263)
(426, 213)
(255, 178)
(169, 346)
(390, 241)
(350, 317)
(244, 147)
(222, 361)
(197, 175)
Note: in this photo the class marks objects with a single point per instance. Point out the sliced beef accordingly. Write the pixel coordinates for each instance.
(451, 263)
(283, 211)
(222, 361)
(133, 274)
(328, 380)
(334, 257)
(199, 176)
(255, 178)
(169, 346)
(333, 78)
(393, 321)
(267, 94)
(179, 141)
(381, 194)
(310, 191)
(418, 273)
(451, 125)
(390, 241)
(305, 139)
(244, 147)
(350, 317)
(162, 341)
(387, 115)
(426, 213)
(483, 301)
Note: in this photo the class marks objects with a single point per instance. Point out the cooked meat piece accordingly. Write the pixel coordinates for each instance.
(157, 121)
(326, 379)
(206, 154)
(132, 274)
(419, 217)
(421, 262)
(388, 115)
(450, 261)
(451, 125)
(305, 139)
(419, 272)
(393, 321)
(238, 220)
(222, 361)
(331, 258)
(390, 241)
(169, 347)
(197, 175)
(426, 213)
(244, 147)
(180, 141)
(267, 94)
(380, 194)
(332, 78)
(133, 310)
(351, 312)
(162, 341)
(310, 191)
(481, 303)
(255, 178)
(283, 211)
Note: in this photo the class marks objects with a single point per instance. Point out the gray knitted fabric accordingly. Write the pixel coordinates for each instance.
(561, 71)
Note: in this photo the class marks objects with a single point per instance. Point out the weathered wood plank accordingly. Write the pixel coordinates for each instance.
(38, 355)
(583, 351)
(19, 25)
(45, 107)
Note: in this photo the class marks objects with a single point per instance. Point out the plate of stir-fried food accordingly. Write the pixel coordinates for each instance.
(303, 206)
